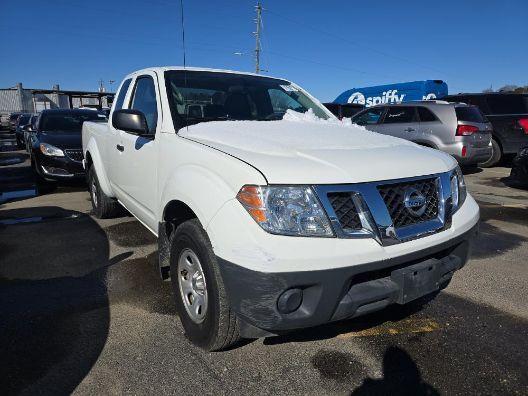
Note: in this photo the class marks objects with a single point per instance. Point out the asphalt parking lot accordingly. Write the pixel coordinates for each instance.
(84, 311)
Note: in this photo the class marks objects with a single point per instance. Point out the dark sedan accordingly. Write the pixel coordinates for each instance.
(23, 120)
(56, 144)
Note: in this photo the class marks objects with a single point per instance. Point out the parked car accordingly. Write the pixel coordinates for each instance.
(519, 171)
(508, 113)
(28, 130)
(343, 110)
(55, 144)
(265, 227)
(22, 120)
(13, 117)
(457, 129)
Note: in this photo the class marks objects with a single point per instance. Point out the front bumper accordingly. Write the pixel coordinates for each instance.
(262, 300)
(59, 168)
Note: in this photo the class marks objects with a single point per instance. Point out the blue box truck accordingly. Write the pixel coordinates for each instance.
(394, 93)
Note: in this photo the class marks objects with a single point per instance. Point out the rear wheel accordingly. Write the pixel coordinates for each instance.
(496, 155)
(103, 206)
(199, 291)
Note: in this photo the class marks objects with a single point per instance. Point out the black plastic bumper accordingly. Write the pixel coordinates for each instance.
(73, 169)
(261, 299)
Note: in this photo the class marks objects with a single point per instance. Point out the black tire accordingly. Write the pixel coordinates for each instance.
(496, 155)
(103, 206)
(219, 328)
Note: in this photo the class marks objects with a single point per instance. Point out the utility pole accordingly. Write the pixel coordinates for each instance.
(258, 21)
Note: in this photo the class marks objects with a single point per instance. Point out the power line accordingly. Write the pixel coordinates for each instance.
(296, 58)
(355, 43)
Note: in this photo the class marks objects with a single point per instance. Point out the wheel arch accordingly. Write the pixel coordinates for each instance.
(174, 213)
(93, 159)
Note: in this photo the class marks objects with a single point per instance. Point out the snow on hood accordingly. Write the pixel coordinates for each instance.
(304, 149)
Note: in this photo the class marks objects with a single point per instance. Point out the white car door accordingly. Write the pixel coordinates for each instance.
(112, 150)
(137, 166)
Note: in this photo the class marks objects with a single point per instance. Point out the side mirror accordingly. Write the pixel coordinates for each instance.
(27, 128)
(131, 121)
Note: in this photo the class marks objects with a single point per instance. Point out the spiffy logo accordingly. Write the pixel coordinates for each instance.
(357, 98)
(390, 96)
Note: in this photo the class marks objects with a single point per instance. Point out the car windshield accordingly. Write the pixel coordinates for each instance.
(200, 96)
(67, 122)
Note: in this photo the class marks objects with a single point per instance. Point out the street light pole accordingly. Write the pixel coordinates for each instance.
(258, 8)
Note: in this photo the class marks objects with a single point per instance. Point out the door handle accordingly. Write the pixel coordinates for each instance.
(409, 129)
(120, 148)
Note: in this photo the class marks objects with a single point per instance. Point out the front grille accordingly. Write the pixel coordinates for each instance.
(74, 154)
(345, 210)
(394, 195)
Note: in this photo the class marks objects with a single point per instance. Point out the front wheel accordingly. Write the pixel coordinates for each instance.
(103, 206)
(199, 291)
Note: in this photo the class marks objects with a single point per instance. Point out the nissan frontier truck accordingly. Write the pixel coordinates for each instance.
(271, 214)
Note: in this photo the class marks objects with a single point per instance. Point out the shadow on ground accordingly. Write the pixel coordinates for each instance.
(55, 312)
(401, 376)
(493, 240)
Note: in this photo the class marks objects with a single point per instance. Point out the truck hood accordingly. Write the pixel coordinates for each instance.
(324, 152)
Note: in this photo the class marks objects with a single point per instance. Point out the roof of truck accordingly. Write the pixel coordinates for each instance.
(162, 69)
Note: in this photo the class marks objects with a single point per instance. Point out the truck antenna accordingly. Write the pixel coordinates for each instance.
(183, 32)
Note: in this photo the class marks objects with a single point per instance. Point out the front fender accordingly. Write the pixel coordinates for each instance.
(200, 188)
(98, 164)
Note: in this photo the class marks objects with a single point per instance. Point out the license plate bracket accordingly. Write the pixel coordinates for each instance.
(418, 280)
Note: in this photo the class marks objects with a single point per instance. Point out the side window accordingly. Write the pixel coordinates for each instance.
(425, 115)
(399, 115)
(144, 100)
(122, 93)
(369, 117)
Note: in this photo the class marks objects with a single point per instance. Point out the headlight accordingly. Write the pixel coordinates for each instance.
(51, 151)
(286, 210)
(458, 189)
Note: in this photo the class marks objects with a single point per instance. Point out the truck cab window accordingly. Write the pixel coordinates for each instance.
(144, 100)
(122, 93)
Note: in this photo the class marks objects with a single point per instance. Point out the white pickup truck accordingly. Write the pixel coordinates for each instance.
(271, 214)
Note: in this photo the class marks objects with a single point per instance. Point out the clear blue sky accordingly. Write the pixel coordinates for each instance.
(327, 47)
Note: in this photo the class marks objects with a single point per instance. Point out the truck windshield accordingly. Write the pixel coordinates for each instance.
(67, 122)
(201, 96)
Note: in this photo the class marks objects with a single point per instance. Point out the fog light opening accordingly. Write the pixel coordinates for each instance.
(290, 301)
